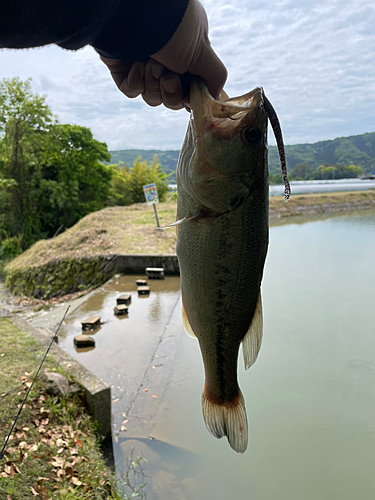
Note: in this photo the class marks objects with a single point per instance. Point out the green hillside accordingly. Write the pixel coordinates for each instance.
(356, 149)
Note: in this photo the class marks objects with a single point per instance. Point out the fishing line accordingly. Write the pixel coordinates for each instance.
(32, 383)
(161, 208)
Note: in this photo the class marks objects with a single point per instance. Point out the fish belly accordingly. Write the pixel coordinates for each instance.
(221, 264)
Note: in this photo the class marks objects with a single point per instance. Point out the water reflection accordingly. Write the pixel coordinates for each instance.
(169, 472)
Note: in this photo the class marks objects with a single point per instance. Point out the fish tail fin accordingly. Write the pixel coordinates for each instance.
(228, 420)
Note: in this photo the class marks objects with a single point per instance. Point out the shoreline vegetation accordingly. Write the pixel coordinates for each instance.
(132, 229)
(53, 452)
(73, 260)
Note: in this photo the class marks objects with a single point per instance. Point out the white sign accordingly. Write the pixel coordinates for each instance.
(151, 194)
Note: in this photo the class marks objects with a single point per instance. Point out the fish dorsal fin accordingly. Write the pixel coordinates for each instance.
(186, 323)
(252, 340)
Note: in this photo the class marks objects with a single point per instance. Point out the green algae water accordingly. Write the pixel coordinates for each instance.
(310, 396)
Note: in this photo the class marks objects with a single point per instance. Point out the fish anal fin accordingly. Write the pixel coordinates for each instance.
(227, 420)
(253, 339)
(186, 323)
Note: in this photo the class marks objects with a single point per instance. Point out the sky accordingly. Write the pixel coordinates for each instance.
(315, 60)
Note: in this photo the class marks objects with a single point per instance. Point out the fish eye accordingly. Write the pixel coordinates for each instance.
(252, 135)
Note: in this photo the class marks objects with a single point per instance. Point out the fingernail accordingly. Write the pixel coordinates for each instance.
(170, 86)
(157, 71)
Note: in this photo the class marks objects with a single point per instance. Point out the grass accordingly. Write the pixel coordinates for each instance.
(53, 452)
(132, 230)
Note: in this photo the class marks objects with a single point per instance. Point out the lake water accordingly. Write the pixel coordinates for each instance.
(327, 186)
(310, 397)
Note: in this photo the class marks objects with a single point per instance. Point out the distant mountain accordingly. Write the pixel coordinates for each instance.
(355, 149)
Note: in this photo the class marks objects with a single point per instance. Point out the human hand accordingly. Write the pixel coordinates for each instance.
(188, 52)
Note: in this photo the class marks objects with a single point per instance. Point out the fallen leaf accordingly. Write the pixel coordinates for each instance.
(115, 400)
(123, 428)
(60, 451)
(33, 447)
(22, 445)
(35, 493)
(10, 469)
(153, 396)
(125, 422)
(76, 481)
(44, 421)
(145, 390)
(78, 442)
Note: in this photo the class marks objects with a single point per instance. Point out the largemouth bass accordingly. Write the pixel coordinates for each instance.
(222, 212)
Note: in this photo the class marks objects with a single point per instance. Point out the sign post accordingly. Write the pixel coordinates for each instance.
(151, 195)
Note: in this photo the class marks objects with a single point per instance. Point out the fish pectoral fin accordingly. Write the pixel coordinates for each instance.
(185, 320)
(253, 339)
(227, 420)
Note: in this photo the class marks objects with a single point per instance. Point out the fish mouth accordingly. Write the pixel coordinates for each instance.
(209, 113)
(226, 116)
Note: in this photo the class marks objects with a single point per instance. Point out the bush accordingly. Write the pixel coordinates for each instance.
(10, 247)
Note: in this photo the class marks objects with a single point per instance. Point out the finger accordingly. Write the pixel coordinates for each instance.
(153, 73)
(119, 69)
(171, 91)
(210, 68)
(134, 85)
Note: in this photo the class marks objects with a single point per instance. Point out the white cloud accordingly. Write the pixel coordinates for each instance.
(314, 60)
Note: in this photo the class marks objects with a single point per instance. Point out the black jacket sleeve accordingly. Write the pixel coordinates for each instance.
(122, 29)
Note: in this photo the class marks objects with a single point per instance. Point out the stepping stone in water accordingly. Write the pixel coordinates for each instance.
(155, 273)
(121, 310)
(124, 299)
(141, 282)
(84, 341)
(91, 323)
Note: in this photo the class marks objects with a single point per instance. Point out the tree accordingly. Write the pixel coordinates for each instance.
(50, 174)
(25, 120)
(302, 171)
(73, 181)
(127, 183)
(337, 171)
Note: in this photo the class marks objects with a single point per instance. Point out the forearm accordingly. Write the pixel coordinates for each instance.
(122, 29)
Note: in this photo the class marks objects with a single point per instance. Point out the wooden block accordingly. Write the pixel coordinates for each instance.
(124, 299)
(84, 341)
(91, 323)
(143, 290)
(154, 272)
(121, 309)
